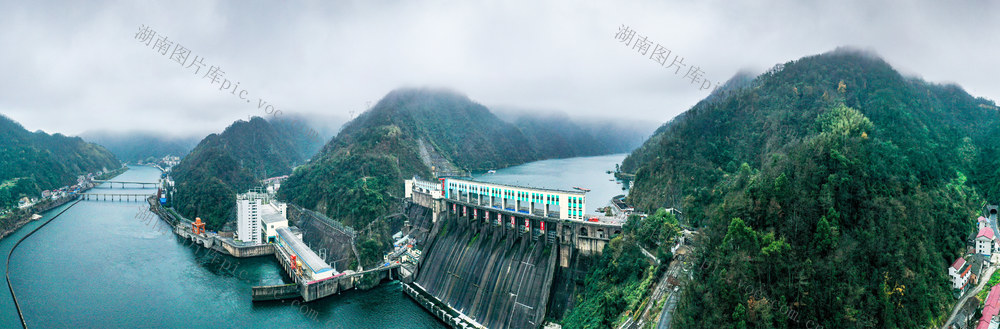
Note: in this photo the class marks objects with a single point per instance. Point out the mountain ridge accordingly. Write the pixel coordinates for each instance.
(225, 164)
(832, 184)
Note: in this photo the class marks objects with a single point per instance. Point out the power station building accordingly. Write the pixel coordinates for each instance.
(302, 257)
(550, 203)
(259, 217)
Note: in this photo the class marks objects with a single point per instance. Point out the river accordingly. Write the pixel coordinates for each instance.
(98, 265)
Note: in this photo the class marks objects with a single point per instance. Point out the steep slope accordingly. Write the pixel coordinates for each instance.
(39, 161)
(141, 146)
(409, 132)
(222, 165)
(358, 176)
(831, 187)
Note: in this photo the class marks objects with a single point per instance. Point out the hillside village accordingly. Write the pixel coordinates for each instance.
(972, 277)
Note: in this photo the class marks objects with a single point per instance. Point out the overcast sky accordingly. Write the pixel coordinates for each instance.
(74, 66)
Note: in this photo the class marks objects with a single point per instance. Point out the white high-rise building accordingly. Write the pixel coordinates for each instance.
(259, 217)
(248, 209)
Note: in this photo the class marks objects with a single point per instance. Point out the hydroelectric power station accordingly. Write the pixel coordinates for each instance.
(494, 251)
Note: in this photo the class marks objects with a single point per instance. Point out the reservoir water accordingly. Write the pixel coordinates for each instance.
(98, 265)
(564, 174)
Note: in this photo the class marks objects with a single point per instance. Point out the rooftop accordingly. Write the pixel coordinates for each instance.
(990, 308)
(519, 187)
(270, 214)
(957, 265)
(304, 253)
(986, 231)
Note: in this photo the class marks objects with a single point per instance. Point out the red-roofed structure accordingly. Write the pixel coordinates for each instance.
(957, 265)
(959, 273)
(985, 241)
(990, 308)
(986, 231)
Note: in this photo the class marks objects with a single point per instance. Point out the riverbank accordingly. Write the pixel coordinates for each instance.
(227, 246)
(112, 174)
(17, 219)
(24, 216)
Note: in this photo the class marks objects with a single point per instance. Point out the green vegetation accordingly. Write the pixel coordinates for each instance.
(994, 279)
(222, 165)
(832, 186)
(619, 283)
(33, 162)
(13, 190)
(50, 161)
(358, 176)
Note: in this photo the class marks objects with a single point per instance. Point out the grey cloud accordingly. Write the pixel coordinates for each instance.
(70, 66)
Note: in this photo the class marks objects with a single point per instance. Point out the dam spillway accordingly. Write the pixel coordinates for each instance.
(489, 266)
(496, 276)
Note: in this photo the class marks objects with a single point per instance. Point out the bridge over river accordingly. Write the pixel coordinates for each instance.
(125, 197)
(111, 183)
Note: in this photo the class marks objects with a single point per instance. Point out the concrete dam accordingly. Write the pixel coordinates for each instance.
(487, 264)
(495, 276)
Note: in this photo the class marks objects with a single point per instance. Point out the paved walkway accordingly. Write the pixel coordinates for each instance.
(650, 255)
(971, 293)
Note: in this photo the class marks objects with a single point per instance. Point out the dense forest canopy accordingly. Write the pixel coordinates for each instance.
(358, 176)
(832, 185)
(223, 165)
(358, 172)
(32, 162)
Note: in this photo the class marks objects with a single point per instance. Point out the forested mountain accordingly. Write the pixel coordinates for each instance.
(358, 176)
(222, 165)
(421, 131)
(305, 138)
(32, 162)
(832, 190)
(556, 135)
(358, 172)
(141, 146)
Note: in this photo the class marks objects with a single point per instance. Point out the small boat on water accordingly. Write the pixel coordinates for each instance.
(491, 171)
(36, 217)
(582, 189)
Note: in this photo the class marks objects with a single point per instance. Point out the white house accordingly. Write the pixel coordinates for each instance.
(985, 241)
(959, 273)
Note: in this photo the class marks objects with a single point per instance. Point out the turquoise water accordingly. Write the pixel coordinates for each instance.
(98, 265)
(564, 174)
(103, 264)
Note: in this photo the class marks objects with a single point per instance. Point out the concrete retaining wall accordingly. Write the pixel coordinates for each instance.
(247, 251)
(276, 292)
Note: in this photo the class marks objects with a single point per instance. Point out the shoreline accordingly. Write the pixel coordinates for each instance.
(25, 217)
